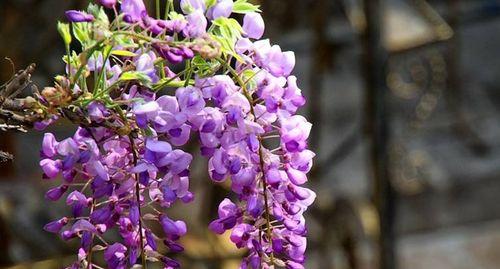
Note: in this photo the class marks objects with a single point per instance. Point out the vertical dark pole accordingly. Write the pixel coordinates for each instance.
(377, 128)
(320, 56)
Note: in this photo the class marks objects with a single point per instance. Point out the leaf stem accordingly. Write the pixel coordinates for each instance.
(138, 198)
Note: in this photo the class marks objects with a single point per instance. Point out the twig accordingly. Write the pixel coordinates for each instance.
(5, 157)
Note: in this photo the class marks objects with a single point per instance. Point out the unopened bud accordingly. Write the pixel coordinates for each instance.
(56, 96)
(207, 48)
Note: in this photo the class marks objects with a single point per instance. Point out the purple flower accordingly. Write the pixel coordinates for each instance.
(41, 125)
(172, 229)
(83, 226)
(108, 3)
(56, 226)
(145, 64)
(241, 234)
(128, 155)
(272, 59)
(188, 6)
(50, 167)
(55, 193)
(253, 25)
(170, 263)
(133, 10)
(172, 54)
(217, 87)
(190, 100)
(78, 16)
(97, 111)
(223, 8)
(157, 146)
(115, 256)
(197, 24)
(296, 177)
(145, 112)
(49, 145)
(294, 133)
(76, 197)
(228, 215)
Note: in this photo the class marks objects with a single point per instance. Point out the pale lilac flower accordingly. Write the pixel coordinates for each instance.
(253, 25)
(189, 6)
(222, 8)
(133, 10)
(196, 24)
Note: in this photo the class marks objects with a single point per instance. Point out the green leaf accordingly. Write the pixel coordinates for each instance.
(202, 67)
(210, 3)
(242, 7)
(135, 75)
(81, 31)
(63, 29)
(124, 53)
(99, 14)
(228, 28)
(175, 16)
(248, 76)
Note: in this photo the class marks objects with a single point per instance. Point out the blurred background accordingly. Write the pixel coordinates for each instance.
(404, 97)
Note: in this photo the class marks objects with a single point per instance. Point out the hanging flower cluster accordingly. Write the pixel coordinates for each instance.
(125, 164)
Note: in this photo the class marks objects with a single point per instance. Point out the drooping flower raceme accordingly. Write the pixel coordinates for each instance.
(125, 164)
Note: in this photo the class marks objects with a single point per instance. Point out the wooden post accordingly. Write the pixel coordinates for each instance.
(377, 129)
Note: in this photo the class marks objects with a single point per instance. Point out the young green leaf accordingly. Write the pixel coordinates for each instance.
(81, 31)
(135, 75)
(242, 7)
(63, 29)
(124, 53)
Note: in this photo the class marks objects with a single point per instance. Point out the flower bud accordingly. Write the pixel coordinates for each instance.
(55, 193)
(56, 96)
(78, 16)
(56, 226)
(207, 48)
(253, 25)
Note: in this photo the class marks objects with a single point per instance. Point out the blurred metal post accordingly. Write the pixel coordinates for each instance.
(377, 128)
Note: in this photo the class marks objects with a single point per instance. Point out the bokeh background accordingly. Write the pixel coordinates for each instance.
(405, 100)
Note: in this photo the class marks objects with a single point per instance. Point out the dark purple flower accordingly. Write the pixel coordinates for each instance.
(173, 229)
(78, 16)
(56, 226)
(55, 193)
(241, 234)
(115, 256)
(83, 225)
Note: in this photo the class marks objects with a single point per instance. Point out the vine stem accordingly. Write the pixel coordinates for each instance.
(138, 198)
(89, 256)
(261, 154)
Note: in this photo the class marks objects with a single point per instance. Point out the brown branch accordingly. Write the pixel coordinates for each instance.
(18, 83)
(5, 157)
